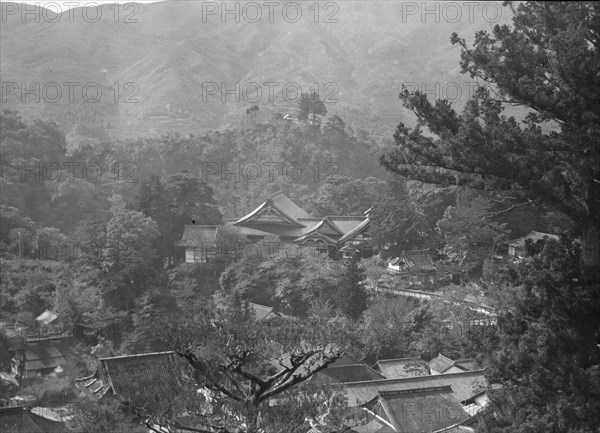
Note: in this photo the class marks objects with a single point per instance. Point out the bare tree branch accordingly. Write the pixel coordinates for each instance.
(505, 210)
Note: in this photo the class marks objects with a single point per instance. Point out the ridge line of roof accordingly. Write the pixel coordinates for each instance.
(202, 225)
(260, 305)
(414, 379)
(443, 356)
(416, 390)
(356, 230)
(400, 359)
(136, 355)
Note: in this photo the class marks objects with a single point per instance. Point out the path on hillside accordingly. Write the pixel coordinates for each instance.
(398, 291)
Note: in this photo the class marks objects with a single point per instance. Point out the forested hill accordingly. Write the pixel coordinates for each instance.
(159, 62)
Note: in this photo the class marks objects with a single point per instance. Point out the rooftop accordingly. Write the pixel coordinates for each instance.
(42, 354)
(16, 419)
(441, 363)
(262, 312)
(418, 410)
(364, 225)
(126, 373)
(465, 385)
(347, 370)
(195, 235)
(418, 259)
(277, 209)
(402, 367)
(280, 216)
(46, 317)
(534, 236)
(129, 375)
(351, 373)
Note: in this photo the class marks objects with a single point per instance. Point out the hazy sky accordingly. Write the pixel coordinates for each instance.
(66, 4)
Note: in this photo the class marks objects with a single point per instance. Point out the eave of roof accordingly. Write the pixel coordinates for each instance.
(463, 393)
(323, 222)
(533, 235)
(356, 231)
(193, 236)
(393, 403)
(441, 363)
(314, 237)
(282, 205)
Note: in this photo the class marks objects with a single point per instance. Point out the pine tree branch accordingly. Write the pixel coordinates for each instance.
(504, 211)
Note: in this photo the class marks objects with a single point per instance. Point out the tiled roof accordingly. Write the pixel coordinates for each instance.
(419, 410)
(281, 204)
(441, 363)
(284, 231)
(346, 224)
(467, 364)
(288, 207)
(125, 374)
(299, 222)
(464, 385)
(345, 360)
(46, 353)
(350, 373)
(323, 226)
(364, 225)
(46, 317)
(195, 235)
(418, 259)
(455, 429)
(373, 426)
(248, 231)
(534, 236)
(346, 370)
(19, 420)
(316, 237)
(403, 367)
(262, 312)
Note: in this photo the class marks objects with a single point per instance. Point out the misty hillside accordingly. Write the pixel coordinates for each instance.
(170, 52)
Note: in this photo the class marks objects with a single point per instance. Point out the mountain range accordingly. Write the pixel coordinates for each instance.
(171, 60)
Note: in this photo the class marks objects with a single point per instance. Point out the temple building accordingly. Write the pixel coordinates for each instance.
(335, 236)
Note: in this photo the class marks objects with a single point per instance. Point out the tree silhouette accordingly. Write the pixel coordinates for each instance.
(547, 61)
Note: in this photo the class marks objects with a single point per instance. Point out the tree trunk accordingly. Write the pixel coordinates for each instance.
(251, 417)
(590, 250)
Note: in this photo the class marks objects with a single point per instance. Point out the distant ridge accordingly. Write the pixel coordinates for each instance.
(162, 69)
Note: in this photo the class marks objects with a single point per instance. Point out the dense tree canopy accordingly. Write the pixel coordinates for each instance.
(548, 61)
(253, 374)
(548, 360)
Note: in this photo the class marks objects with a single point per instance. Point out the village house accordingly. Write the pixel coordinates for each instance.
(415, 410)
(402, 367)
(41, 356)
(465, 385)
(17, 419)
(346, 370)
(414, 267)
(48, 324)
(443, 365)
(516, 247)
(414, 379)
(120, 376)
(262, 312)
(409, 397)
(280, 217)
